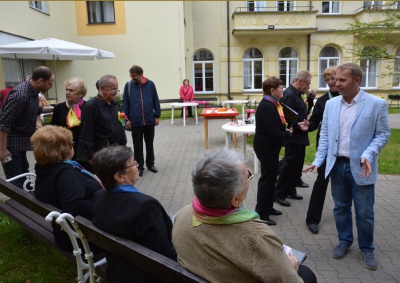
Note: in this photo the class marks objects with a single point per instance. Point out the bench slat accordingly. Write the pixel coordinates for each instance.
(143, 258)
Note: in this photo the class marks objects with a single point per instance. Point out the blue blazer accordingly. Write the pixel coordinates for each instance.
(370, 132)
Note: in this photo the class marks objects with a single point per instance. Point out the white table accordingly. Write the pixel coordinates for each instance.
(184, 105)
(229, 102)
(247, 129)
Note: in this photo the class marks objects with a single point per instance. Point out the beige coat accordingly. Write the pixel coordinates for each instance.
(243, 252)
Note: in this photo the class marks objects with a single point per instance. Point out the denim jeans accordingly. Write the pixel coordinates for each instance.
(345, 191)
(17, 166)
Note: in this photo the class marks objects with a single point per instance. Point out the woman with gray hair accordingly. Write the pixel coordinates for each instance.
(123, 210)
(217, 238)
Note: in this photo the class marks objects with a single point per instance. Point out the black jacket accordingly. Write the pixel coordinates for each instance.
(137, 217)
(292, 98)
(318, 113)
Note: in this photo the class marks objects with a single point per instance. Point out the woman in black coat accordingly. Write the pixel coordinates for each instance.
(68, 114)
(270, 133)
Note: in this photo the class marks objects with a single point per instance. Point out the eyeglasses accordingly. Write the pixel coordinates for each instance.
(117, 91)
(250, 175)
(134, 164)
(327, 80)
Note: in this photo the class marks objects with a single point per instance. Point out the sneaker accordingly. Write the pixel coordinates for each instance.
(370, 261)
(340, 250)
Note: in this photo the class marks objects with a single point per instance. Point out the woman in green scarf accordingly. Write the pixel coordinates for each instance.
(217, 238)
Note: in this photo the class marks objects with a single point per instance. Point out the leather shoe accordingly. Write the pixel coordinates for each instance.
(273, 211)
(296, 196)
(283, 202)
(313, 228)
(301, 184)
(153, 169)
(140, 172)
(270, 222)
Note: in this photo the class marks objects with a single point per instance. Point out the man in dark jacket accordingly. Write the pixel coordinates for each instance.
(321, 184)
(142, 108)
(295, 147)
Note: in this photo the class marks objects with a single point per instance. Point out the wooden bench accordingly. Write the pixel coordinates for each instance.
(164, 101)
(394, 99)
(203, 102)
(30, 213)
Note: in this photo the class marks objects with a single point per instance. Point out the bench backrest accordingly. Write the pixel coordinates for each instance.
(26, 199)
(141, 257)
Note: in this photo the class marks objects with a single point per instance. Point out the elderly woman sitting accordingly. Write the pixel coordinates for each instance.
(123, 210)
(61, 182)
(218, 239)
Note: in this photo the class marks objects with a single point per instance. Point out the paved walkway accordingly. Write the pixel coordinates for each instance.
(178, 148)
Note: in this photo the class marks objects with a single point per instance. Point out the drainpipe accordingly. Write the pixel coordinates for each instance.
(308, 51)
(228, 50)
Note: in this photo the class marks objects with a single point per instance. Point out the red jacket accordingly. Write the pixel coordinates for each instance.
(186, 93)
(4, 93)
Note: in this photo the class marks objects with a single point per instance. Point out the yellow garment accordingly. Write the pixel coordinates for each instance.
(72, 119)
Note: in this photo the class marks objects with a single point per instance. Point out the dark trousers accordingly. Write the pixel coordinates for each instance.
(269, 158)
(307, 274)
(189, 111)
(292, 166)
(138, 133)
(317, 199)
(17, 166)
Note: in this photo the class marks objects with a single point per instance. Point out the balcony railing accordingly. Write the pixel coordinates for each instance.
(267, 19)
(273, 9)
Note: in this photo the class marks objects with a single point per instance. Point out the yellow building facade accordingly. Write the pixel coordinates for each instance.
(225, 48)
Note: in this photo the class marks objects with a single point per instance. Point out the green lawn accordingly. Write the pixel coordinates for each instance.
(394, 110)
(23, 257)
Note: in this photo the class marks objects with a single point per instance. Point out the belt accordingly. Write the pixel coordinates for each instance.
(343, 158)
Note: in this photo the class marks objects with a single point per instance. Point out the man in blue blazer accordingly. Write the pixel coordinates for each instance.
(355, 128)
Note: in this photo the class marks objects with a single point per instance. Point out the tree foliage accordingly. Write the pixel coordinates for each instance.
(377, 35)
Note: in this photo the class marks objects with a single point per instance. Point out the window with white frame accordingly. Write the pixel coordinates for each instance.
(288, 65)
(285, 6)
(373, 5)
(252, 69)
(100, 12)
(396, 71)
(255, 6)
(15, 70)
(330, 7)
(328, 57)
(39, 5)
(370, 69)
(203, 70)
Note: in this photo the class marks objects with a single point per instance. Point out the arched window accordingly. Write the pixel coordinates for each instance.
(203, 70)
(288, 65)
(369, 67)
(252, 69)
(396, 73)
(328, 57)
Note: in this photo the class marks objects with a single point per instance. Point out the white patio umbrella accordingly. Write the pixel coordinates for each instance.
(52, 49)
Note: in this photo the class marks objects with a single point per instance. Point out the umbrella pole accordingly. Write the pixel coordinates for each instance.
(55, 77)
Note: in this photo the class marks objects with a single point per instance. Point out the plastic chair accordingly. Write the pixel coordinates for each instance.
(28, 180)
(85, 270)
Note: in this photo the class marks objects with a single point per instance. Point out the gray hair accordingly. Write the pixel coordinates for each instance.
(105, 80)
(302, 76)
(217, 178)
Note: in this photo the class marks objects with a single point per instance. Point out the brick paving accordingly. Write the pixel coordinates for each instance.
(178, 148)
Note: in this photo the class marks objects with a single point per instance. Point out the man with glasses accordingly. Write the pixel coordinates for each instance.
(142, 108)
(295, 146)
(100, 126)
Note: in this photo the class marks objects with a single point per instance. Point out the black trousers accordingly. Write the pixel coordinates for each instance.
(317, 199)
(307, 274)
(17, 166)
(189, 111)
(138, 134)
(292, 166)
(269, 158)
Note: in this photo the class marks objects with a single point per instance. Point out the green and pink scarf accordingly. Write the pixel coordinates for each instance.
(224, 216)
